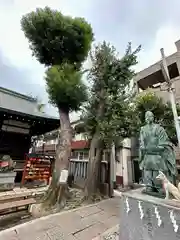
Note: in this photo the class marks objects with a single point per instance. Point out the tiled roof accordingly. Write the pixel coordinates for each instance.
(81, 144)
(12, 101)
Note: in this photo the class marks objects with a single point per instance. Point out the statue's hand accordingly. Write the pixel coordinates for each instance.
(142, 148)
(156, 149)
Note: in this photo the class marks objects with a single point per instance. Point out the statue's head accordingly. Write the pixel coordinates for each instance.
(149, 117)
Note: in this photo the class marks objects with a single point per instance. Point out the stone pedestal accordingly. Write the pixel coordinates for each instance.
(7, 181)
(144, 217)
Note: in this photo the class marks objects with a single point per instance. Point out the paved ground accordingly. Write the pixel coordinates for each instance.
(79, 224)
(110, 234)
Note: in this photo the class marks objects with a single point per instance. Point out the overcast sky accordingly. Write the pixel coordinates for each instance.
(154, 24)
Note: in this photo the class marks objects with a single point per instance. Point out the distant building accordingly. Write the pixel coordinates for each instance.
(80, 153)
(152, 76)
(19, 121)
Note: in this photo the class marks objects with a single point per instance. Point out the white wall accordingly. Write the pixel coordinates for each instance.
(123, 167)
(127, 168)
(119, 166)
(79, 137)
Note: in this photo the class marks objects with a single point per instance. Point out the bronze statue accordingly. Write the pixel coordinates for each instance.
(155, 154)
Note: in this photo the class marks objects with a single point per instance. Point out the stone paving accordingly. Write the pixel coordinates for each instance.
(79, 224)
(110, 234)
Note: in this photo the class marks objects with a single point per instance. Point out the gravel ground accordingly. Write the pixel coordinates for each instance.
(112, 236)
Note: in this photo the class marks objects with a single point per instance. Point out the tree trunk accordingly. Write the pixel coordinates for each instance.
(57, 193)
(93, 178)
(95, 154)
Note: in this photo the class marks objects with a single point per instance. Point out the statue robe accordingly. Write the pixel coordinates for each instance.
(156, 151)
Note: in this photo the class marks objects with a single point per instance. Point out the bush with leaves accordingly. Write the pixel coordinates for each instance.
(150, 101)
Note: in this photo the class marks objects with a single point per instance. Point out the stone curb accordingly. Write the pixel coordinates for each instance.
(49, 216)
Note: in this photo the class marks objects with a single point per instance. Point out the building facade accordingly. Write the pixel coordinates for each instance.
(152, 77)
(19, 121)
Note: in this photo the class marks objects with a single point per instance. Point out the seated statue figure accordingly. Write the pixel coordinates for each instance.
(155, 154)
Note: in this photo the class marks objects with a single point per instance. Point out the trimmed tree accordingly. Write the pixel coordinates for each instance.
(106, 115)
(62, 44)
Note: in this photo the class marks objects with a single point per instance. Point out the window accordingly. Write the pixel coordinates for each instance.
(74, 154)
(86, 155)
(106, 156)
(81, 156)
(48, 142)
(117, 155)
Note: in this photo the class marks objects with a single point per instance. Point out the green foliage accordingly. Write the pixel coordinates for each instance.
(62, 43)
(107, 111)
(65, 87)
(40, 107)
(55, 38)
(149, 101)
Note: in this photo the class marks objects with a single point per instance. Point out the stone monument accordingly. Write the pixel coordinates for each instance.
(155, 154)
(144, 214)
(145, 217)
(7, 174)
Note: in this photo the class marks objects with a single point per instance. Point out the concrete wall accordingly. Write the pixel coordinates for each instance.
(162, 92)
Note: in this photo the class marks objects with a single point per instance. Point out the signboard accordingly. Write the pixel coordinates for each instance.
(8, 128)
(16, 123)
(63, 176)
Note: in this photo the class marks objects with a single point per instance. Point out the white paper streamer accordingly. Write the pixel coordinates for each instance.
(158, 216)
(173, 220)
(127, 206)
(140, 210)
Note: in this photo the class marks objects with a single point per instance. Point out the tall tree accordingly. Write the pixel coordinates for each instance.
(62, 44)
(106, 115)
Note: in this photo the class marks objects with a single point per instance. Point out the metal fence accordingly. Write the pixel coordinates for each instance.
(78, 168)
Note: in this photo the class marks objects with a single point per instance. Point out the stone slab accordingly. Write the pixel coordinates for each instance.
(145, 217)
(91, 232)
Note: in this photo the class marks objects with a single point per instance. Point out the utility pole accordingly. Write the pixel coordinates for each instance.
(171, 94)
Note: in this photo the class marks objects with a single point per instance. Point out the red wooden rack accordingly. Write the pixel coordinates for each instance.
(37, 167)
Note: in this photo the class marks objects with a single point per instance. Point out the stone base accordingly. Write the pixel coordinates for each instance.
(6, 187)
(7, 181)
(148, 218)
(154, 194)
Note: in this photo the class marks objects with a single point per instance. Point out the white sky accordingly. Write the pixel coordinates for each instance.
(15, 50)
